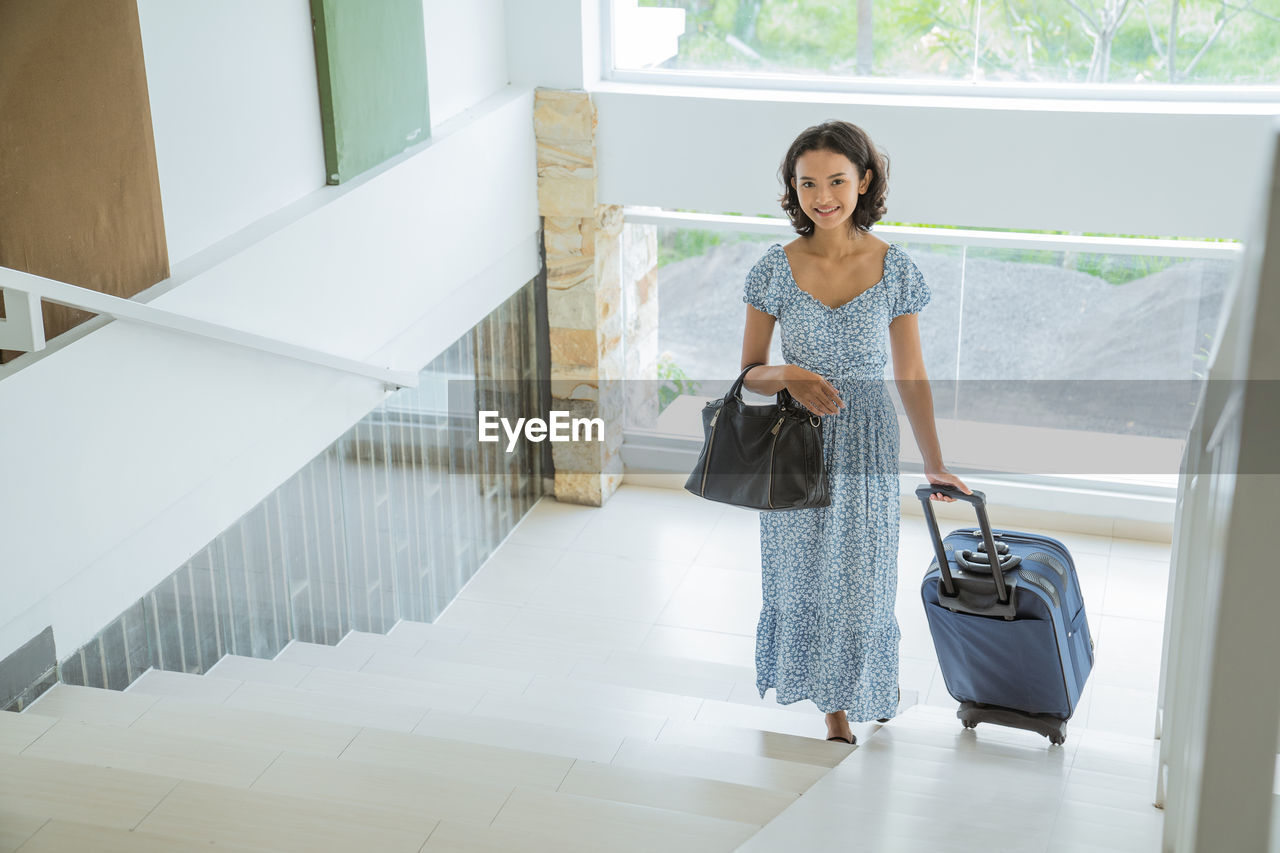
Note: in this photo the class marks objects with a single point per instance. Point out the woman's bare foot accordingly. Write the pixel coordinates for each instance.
(838, 726)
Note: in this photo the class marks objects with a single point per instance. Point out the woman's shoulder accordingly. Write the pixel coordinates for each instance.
(769, 259)
(897, 257)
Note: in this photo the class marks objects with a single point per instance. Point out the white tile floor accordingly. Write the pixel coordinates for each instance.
(659, 572)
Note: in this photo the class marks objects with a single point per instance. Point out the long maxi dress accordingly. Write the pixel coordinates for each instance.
(827, 629)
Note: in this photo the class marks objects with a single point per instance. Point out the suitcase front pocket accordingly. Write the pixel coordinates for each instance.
(996, 662)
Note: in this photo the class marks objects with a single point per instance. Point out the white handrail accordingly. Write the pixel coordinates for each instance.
(641, 215)
(24, 330)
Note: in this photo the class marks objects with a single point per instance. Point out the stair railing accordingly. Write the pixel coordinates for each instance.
(22, 329)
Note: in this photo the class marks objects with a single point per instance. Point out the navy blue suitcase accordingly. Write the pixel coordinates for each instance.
(1013, 640)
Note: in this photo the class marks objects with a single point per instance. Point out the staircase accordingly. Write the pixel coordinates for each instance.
(430, 738)
(590, 688)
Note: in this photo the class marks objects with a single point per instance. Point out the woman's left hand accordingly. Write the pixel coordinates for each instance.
(941, 476)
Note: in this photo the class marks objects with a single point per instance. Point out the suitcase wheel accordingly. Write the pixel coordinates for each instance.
(972, 713)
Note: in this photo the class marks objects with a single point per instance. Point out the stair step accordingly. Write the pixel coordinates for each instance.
(351, 656)
(391, 689)
(406, 640)
(155, 753)
(279, 822)
(43, 789)
(707, 797)
(60, 836)
(317, 705)
(765, 744)
(192, 732)
(91, 704)
(538, 623)
(448, 672)
(539, 658)
(253, 729)
(698, 644)
(413, 635)
(180, 715)
(757, 771)
(18, 731)
(16, 829)
(258, 670)
(601, 721)
(547, 693)
(520, 734)
(421, 791)
(452, 836)
(384, 688)
(617, 826)
(651, 662)
(574, 692)
(182, 685)
(481, 659)
(663, 672)
(765, 718)
(336, 805)
(464, 759)
(162, 744)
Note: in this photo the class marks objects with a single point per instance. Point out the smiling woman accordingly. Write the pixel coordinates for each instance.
(827, 629)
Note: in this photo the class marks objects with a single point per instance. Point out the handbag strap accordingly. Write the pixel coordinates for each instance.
(736, 389)
(784, 396)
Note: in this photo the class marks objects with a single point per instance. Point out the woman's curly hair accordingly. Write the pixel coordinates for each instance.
(840, 137)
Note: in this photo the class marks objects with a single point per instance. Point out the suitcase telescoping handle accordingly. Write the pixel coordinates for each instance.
(979, 502)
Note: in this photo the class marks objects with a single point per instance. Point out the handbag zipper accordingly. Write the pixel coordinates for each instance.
(711, 438)
(775, 429)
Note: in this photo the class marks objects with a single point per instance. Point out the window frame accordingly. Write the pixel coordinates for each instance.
(799, 82)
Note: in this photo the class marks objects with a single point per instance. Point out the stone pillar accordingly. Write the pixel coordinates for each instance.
(585, 294)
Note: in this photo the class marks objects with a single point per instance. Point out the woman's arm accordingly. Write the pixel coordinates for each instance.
(917, 398)
(756, 336)
(809, 389)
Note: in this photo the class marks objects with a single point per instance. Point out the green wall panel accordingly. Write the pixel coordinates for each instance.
(371, 62)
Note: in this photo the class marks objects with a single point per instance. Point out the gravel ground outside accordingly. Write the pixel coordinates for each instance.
(1035, 345)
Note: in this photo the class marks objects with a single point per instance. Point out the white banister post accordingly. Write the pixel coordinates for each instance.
(22, 329)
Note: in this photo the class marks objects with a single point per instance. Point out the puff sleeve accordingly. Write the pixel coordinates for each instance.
(760, 290)
(910, 293)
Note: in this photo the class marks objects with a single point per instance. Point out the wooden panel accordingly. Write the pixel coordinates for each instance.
(79, 189)
(371, 63)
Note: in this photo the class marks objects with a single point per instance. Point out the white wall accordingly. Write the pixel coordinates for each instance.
(133, 448)
(466, 54)
(235, 111)
(553, 43)
(1159, 169)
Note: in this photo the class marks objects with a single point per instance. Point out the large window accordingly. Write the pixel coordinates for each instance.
(1046, 354)
(1143, 43)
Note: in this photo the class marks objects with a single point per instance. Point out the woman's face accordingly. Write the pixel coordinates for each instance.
(825, 180)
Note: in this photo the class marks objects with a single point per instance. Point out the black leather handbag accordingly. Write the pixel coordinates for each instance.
(766, 457)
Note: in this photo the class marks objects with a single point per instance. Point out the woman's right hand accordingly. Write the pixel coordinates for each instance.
(812, 391)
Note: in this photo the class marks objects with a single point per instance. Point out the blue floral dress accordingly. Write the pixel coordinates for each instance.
(827, 629)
